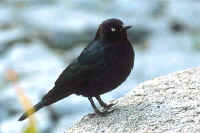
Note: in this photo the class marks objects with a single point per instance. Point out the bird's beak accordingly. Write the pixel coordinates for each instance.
(127, 27)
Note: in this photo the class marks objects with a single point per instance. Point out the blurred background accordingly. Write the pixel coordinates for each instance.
(38, 38)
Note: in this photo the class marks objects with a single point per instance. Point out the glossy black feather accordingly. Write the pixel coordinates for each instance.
(103, 65)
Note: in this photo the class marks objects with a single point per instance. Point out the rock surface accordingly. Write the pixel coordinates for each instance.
(168, 104)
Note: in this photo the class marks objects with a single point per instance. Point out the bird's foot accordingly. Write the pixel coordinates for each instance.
(107, 106)
(97, 111)
(103, 104)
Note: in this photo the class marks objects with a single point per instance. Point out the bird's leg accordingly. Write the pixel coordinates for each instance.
(98, 111)
(101, 102)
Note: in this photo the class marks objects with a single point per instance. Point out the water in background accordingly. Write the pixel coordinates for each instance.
(38, 38)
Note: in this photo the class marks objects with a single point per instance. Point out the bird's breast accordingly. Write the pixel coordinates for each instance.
(121, 56)
(120, 62)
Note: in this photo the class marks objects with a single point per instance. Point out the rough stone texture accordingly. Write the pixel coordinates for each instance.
(168, 104)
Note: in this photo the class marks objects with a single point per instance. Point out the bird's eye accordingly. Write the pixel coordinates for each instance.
(113, 29)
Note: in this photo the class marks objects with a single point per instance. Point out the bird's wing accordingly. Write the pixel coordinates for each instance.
(89, 64)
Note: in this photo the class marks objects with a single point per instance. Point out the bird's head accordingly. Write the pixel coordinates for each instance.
(112, 30)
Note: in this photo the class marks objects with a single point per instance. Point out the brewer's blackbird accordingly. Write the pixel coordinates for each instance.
(102, 66)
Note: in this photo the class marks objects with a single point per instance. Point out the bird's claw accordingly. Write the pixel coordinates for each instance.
(109, 105)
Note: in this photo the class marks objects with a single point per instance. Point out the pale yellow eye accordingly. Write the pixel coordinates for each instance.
(113, 29)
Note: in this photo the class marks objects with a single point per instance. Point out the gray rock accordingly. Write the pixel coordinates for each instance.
(168, 104)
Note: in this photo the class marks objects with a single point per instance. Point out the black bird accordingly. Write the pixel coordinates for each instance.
(102, 66)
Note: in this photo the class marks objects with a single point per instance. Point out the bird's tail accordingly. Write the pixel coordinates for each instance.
(51, 97)
(34, 109)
